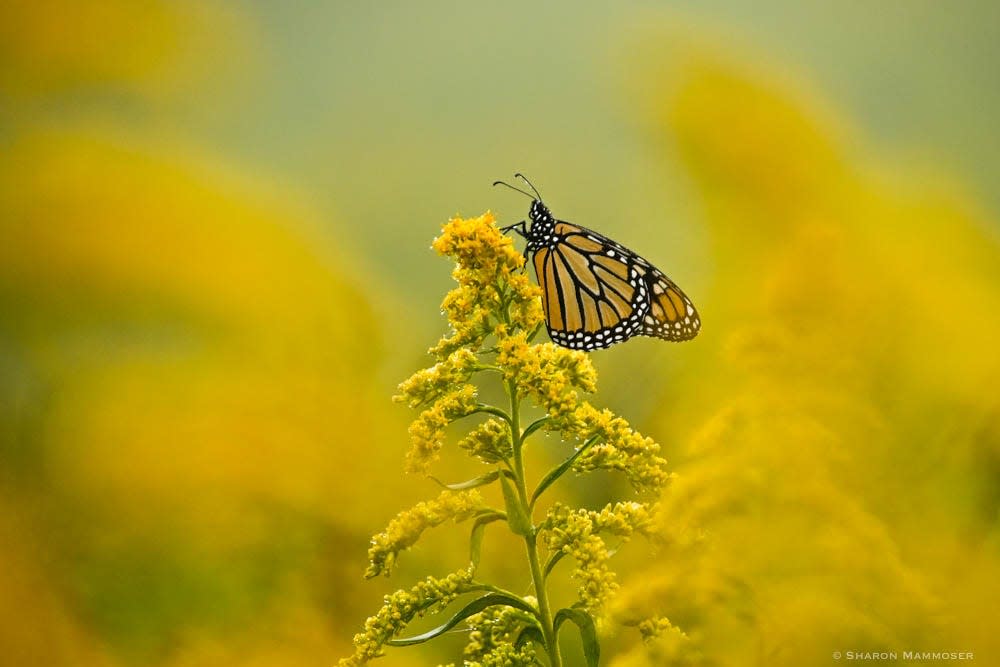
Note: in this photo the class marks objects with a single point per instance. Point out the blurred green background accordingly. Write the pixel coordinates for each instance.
(215, 266)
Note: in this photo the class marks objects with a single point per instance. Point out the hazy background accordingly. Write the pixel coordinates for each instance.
(215, 266)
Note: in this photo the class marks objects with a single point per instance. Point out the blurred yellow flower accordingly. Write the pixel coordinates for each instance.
(193, 400)
(825, 500)
(149, 47)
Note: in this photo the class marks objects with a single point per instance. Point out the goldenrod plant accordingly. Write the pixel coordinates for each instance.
(495, 315)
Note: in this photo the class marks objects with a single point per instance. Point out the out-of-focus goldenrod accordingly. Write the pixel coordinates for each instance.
(178, 350)
(152, 49)
(177, 340)
(42, 47)
(494, 315)
(833, 497)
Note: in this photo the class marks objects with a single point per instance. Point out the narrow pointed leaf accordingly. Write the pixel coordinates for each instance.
(588, 632)
(534, 426)
(482, 480)
(552, 562)
(474, 607)
(516, 518)
(476, 539)
(482, 408)
(530, 633)
(560, 469)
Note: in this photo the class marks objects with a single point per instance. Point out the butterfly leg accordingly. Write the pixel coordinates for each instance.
(521, 229)
(517, 227)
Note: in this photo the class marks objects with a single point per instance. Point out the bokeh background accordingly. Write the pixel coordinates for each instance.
(215, 222)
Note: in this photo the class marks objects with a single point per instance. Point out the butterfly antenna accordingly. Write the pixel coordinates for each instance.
(533, 188)
(526, 194)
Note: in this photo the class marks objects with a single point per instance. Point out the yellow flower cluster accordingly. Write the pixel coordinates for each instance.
(407, 527)
(507, 655)
(597, 582)
(576, 533)
(401, 607)
(493, 298)
(546, 372)
(663, 643)
(427, 430)
(619, 447)
(653, 628)
(623, 518)
(428, 384)
(479, 248)
(493, 637)
(489, 442)
(492, 291)
(525, 304)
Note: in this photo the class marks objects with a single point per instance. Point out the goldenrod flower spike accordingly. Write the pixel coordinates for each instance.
(494, 314)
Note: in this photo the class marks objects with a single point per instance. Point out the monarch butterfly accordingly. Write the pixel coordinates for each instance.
(596, 292)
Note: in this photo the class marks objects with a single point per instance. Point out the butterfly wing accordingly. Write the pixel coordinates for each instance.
(671, 314)
(598, 293)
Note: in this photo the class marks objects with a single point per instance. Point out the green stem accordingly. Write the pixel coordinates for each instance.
(537, 578)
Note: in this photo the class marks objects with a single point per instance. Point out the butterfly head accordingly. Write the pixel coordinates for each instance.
(539, 212)
(542, 221)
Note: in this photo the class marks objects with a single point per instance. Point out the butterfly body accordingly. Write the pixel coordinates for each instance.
(597, 292)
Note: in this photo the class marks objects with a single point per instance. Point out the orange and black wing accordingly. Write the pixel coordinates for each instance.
(671, 314)
(597, 293)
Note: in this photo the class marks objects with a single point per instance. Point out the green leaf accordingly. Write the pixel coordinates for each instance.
(558, 471)
(530, 633)
(482, 480)
(534, 426)
(474, 607)
(483, 408)
(588, 632)
(476, 539)
(552, 562)
(516, 518)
